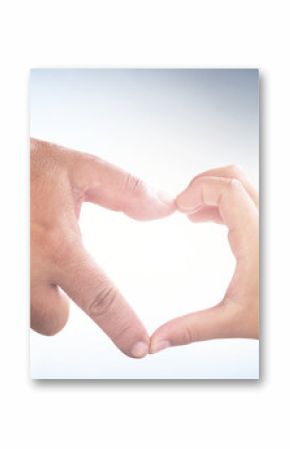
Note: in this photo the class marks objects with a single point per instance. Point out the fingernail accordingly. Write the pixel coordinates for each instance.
(187, 202)
(189, 209)
(187, 205)
(159, 346)
(139, 349)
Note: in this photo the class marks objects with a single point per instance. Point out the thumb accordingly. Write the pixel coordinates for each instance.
(215, 322)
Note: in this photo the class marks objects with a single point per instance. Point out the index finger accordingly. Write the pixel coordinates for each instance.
(233, 171)
(235, 206)
(91, 289)
(107, 185)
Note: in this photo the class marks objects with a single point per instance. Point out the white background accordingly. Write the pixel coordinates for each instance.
(164, 126)
(207, 414)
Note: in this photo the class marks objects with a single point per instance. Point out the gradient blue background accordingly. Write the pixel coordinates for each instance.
(164, 126)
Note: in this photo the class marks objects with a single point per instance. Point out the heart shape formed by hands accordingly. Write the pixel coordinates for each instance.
(62, 179)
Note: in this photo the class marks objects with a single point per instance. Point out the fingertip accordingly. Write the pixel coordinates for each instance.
(139, 350)
(186, 203)
(133, 341)
(167, 201)
(159, 345)
(161, 204)
(160, 340)
(152, 205)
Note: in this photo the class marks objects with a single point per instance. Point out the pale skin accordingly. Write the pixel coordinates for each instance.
(225, 196)
(61, 268)
(61, 180)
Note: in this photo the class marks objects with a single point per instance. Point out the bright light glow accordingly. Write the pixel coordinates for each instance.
(164, 126)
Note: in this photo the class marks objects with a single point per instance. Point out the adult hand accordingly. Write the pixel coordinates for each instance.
(225, 196)
(61, 180)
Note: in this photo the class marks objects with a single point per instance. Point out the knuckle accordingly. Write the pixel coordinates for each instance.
(49, 326)
(234, 184)
(192, 334)
(103, 300)
(134, 184)
(45, 319)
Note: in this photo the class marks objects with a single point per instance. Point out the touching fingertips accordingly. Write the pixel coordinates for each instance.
(159, 346)
(162, 203)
